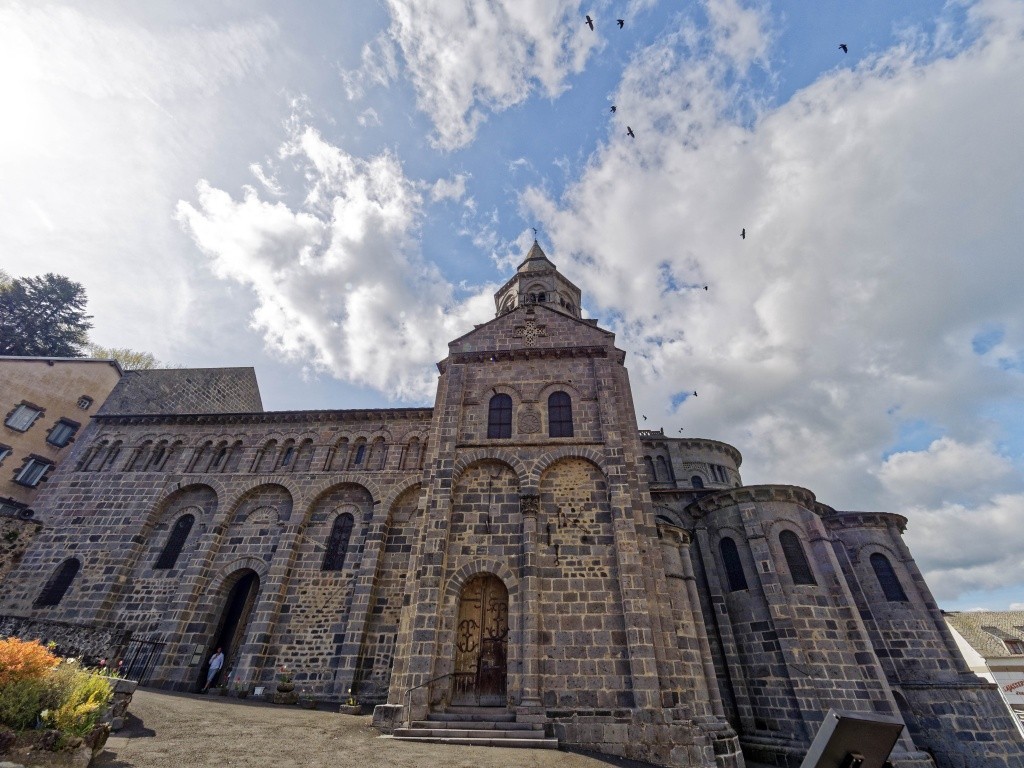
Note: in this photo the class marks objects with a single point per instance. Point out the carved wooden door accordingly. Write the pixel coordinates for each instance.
(481, 643)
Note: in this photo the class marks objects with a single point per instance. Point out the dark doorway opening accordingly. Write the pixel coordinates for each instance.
(234, 618)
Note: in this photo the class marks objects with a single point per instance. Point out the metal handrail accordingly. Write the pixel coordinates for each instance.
(408, 693)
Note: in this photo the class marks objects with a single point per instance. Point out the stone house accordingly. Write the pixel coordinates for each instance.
(521, 546)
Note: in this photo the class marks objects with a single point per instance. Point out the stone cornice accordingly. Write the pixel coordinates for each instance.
(695, 443)
(864, 520)
(752, 494)
(483, 357)
(271, 417)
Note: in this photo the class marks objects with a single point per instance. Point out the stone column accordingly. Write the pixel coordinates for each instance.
(529, 505)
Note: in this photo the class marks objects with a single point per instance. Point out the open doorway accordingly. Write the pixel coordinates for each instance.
(242, 589)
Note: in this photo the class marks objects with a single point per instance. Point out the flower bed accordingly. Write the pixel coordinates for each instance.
(52, 711)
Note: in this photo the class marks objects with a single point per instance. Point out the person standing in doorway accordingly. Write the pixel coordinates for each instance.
(216, 662)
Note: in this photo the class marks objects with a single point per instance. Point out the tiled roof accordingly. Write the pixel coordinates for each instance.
(986, 630)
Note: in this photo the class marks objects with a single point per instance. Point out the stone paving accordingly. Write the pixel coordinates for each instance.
(170, 730)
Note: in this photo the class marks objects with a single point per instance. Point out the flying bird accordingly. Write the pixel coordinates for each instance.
(844, 48)
(613, 108)
(743, 233)
(680, 429)
(645, 418)
(621, 23)
(629, 132)
(694, 393)
(705, 287)
(590, 23)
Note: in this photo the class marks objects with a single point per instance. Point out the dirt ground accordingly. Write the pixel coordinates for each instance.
(171, 730)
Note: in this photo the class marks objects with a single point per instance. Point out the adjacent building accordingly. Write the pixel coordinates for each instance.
(992, 642)
(520, 547)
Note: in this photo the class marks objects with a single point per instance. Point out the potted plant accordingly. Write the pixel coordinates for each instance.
(285, 687)
(241, 690)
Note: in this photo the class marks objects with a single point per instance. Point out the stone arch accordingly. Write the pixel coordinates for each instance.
(329, 485)
(397, 491)
(223, 575)
(458, 578)
(670, 515)
(551, 458)
(465, 461)
(562, 385)
(282, 499)
(204, 507)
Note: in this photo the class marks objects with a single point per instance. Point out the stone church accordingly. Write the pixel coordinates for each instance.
(521, 548)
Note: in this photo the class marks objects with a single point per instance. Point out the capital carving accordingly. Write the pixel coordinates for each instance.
(529, 504)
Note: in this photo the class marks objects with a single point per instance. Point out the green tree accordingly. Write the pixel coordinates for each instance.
(129, 359)
(43, 317)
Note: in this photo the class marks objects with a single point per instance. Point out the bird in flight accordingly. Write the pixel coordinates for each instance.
(590, 23)
(645, 417)
(629, 132)
(844, 48)
(621, 23)
(694, 393)
(680, 429)
(614, 108)
(743, 233)
(705, 287)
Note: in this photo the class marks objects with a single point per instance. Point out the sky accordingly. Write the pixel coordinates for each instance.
(330, 192)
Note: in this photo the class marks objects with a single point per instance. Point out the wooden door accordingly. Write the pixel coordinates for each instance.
(481, 643)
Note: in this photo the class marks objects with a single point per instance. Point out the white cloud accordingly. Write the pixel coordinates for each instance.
(449, 189)
(468, 59)
(339, 282)
(879, 204)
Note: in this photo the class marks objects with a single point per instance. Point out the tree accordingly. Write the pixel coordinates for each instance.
(129, 359)
(43, 317)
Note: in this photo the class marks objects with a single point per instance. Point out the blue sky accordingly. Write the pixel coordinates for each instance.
(330, 192)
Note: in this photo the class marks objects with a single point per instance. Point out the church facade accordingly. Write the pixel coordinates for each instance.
(519, 546)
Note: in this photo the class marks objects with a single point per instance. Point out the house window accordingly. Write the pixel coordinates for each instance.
(887, 579)
(360, 453)
(499, 417)
(733, 566)
(5, 451)
(1015, 647)
(85, 402)
(289, 454)
(799, 568)
(175, 542)
(62, 432)
(58, 584)
(337, 545)
(12, 507)
(32, 472)
(23, 417)
(559, 415)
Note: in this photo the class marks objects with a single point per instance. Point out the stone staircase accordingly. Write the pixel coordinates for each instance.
(477, 726)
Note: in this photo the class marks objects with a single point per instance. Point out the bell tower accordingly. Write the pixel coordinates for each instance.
(538, 281)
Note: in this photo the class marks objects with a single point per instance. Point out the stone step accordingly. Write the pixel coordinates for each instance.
(480, 714)
(538, 743)
(471, 733)
(508, 725)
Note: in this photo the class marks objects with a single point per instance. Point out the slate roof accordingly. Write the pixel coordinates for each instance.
(986, 630)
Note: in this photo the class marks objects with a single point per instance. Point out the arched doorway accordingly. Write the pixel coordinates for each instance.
(234, 617)
(481, 643)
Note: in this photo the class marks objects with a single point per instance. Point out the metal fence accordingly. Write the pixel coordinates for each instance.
(139, 659)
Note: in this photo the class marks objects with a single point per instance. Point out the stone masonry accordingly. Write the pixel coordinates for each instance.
(520, 546)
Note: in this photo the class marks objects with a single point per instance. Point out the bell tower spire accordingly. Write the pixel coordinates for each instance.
(538, 281)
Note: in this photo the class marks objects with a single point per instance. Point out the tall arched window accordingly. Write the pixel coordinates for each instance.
(733, 566)
(649, 463)
(58, 584)
(559, 415)
(175, 542)
(337, 545)
(665, 470)
(887, 579)
(799, 568)
(499, 416)
(696, 481)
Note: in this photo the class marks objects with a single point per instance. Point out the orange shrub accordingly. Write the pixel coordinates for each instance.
(24, 660)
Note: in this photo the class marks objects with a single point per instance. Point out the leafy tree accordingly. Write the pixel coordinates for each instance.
(43, 317)
(129, 359)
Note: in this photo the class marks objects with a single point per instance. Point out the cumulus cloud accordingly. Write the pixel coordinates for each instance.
(468, 59)
(449, 189)
(878, 204)
(339, 281)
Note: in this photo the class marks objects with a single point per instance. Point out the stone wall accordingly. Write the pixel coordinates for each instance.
(16, 535)
(89, 643)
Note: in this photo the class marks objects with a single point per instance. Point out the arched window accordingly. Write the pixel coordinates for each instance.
(799, 568)
(156, 458)
(559, 415)
(696, 481)
(175, 542)
(337, 545)
(665, 470)
(499, 417)
(58, 584)
(220, 455)
(887, 579)
(360, 453)
(733, 566)
(288, 455)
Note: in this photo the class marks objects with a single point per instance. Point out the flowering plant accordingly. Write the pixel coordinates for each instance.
(283, 674)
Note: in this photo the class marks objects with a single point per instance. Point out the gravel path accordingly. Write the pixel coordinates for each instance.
(167, 730)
